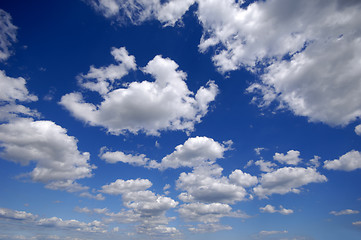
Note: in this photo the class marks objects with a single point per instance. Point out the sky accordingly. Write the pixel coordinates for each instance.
(180, 119)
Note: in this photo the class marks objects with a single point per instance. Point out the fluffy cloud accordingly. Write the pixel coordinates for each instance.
(114, 157)
(58, 160)
(165, 104)
(104, 77)
(210, 227)
(145, 207)
(347, 162)
(265, 166)
(243, 179)
(7, 35)
(344, 212)
(12, 89)
(120, 186)
(271, 209)
(287, 179)
(206, 184)
(194, 152)
(291, 158)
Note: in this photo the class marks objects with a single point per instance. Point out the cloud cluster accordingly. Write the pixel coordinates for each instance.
(145, 207)
(344, 212)
(149, 107)
(271, 209)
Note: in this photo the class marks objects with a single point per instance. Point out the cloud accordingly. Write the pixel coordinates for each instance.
(194, 152)
(138, 11)
(347, 162)
(105, 76)
(30, 219)
(114, 157)
(267, 233)
(210, 227)
(7, 35)
(206, 184)
(357, 223)
(291, 158)
(243, 179)
(265, 166)
(120, 186)
(271, 209)
(149, 107)
(287, 179)
(344, 212)
(58, 160)
(358, 129)
(12, 89)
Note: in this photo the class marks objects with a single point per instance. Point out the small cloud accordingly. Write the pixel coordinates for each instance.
(344, 212)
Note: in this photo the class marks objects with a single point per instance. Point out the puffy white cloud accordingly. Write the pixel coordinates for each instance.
(206, 184)
(207, 213)
(265, 166)
(243, 179)
(344, 212)
(104, 77)
(16, 215)
(358, 129)
(58, 160)
(7, 35)
(11, 111)
(258, 150)
(120, 186)
(194, 152)
(287, 179)
(12, 89)
(315, 161)
(271, 209)
(347, 162)
(114, 157)
(165, 104)
(291, 158)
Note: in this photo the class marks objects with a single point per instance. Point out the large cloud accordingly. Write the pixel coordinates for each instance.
(58, 160)
(165, 104)
(7, 34)
(287, 179)
(347, 162)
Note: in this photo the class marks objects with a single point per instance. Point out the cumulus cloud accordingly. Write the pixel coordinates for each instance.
(165, 104)
(210, 227)
(344, 212)
(58, 161)
(291, 158)
(206, 184)
(7, 34)
(194, 152)
(265, 166)
(271, 209)
(114, 157)
(145, 207)
(287, 179)
(347, 162)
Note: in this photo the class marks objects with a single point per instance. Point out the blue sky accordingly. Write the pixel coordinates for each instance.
(180, 119)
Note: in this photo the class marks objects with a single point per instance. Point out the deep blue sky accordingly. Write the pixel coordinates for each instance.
(314, 110)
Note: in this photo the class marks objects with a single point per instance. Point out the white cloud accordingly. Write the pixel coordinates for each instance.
(165, 104)
(114, 157)
(358, 129)
(58, 160)
(291, 158)
(120, 186)
(206, 184)
(194, 152)
(210, 227)
(7, 35)
(258, 150)
(243, 179)
(315, 161)
(267, 233)
(12, 89)
(287, 179)
(357, 223)
(104, 77)
(271, 209)
(344, 212)
(265, 166)
(207, 213)
(347, 162)
(54, 222)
